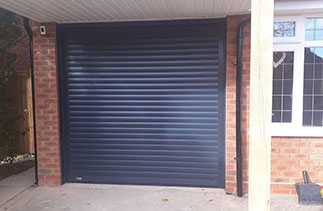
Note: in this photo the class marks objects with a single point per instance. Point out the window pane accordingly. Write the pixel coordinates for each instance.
(282, 86)
(284, 29)
(289, 58)
(278, 73)
(318, 103)
(308, 87)
(287, 116)
(287, 103)
(317, 118)
(318, 84)
(288, 71)
(276, 116)
(318, 57)
(310, 23)
(319, 34)
(307, 118)
(309, 35)
(314, 29)
(319, 23)
(288, 87)
(277, 87)
(309, 57)
(277, 102)
(308, 71)
(313, 87)
(319, 71)
(307, 102)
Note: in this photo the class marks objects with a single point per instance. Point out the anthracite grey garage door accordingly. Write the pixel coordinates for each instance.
(143, 103)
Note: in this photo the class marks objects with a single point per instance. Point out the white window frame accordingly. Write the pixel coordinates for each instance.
(296, 44)
(298, 31)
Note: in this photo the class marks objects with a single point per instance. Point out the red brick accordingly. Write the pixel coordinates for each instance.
(281, 191)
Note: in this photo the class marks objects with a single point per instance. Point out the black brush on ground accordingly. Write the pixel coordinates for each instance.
(308, 193)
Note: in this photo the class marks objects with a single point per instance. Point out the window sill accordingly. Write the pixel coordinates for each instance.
(281, 130)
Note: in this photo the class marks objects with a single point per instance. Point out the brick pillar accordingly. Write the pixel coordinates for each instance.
(46, 104)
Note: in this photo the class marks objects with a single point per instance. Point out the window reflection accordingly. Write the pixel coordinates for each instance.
(282, 86)
(284, 29)
(313, 87)
(314, 29)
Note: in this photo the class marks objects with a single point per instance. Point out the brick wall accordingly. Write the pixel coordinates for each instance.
(292, 155)
(289, 155)
(232, 24)
(46, 97)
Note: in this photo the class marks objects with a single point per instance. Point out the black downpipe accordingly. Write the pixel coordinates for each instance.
(31, 54)
(238, 105)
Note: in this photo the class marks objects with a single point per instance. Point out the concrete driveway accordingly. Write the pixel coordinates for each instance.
(123, 198)
(80, 197)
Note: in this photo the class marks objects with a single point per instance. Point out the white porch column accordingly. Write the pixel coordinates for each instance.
(260, 104)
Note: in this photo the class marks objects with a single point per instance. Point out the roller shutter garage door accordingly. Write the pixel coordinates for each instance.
(143, 103)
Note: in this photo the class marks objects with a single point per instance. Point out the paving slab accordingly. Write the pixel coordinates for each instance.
(14, 185)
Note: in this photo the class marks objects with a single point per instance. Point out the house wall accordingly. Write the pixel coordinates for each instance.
(290, 155)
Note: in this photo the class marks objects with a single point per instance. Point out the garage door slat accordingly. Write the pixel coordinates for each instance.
(144, 119)
(148, 68)
(142, 57)
(136, 91)
(155, 169)
(147, 141)
(144, 135)
(154, 174)
(205, 159)
(201, 165)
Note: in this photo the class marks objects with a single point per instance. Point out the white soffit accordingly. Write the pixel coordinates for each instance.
(69, 11)
(298, 7)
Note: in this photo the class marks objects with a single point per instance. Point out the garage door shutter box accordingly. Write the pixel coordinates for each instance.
(143, 102)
